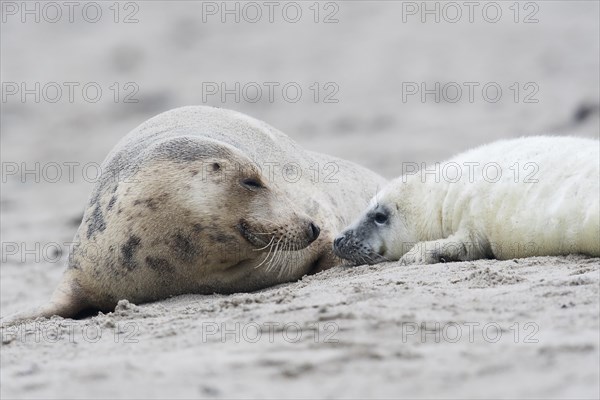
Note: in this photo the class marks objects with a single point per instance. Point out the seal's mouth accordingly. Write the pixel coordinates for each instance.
(253, 239)
(358, 257)
(356, 252)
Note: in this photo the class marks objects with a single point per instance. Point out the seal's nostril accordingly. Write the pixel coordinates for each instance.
(314, 232)
(338, 241)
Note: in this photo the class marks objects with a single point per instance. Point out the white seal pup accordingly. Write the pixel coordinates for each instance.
(533, 196)
(204, 200)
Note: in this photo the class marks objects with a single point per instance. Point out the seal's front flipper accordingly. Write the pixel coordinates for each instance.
(457, 247)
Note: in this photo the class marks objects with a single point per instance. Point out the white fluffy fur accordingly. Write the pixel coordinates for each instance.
(550, 208)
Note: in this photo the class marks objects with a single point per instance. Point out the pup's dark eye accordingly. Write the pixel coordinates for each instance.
(381, 218)
(252, 183)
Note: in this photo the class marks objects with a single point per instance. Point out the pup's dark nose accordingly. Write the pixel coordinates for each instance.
(314, 232)
(338, 241)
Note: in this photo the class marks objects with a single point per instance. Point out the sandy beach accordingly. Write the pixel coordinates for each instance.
(526, 328)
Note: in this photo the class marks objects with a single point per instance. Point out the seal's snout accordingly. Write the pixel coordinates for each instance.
(349, 247)
(313, 232)
(338, 246)
(338, 242)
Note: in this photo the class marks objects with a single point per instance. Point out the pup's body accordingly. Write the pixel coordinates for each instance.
(514, 198)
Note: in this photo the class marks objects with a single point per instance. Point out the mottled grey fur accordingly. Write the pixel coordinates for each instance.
(169, 214)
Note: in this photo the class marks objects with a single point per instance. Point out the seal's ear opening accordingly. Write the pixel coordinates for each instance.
(216, 166)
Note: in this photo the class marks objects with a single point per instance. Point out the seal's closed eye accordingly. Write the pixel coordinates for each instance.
(252, 184)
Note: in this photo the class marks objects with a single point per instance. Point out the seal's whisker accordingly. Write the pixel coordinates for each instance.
(368, 258)
(275, 250)
(295, 257)
(281, 254)
(271, 261)
(362, 259)
(286, 257)
(295, 261)
(291, 257)
(268, 244)
(268, 254)
(265, 259)
(385, 258)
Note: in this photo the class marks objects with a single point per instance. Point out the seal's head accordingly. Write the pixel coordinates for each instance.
(232, 196)
(203, 205)
(381, 233)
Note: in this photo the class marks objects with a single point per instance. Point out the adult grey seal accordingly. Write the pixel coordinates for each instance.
(204, 200)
